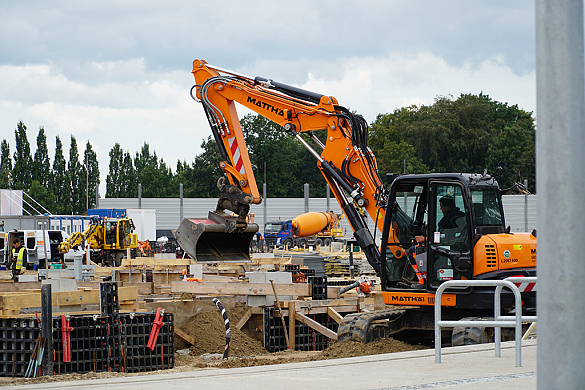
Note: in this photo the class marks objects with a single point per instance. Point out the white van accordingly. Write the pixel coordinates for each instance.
(35, 244)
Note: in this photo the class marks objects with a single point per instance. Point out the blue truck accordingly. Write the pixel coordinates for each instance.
(309, 229)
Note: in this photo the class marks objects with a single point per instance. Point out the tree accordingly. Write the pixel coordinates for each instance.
(75, 172)
(393, 154)
(41, 165)
(461, 135)
(61, 186)
(515, 146)
(200, 178)
(129, 185)
(288, 164)
(43, 196)
(21, 173)
(114, 186)
(153, 174)
(5, 166)
(91, 173)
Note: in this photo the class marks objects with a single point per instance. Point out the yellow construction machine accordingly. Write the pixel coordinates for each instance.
(108, 239)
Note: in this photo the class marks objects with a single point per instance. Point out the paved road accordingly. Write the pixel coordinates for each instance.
(468, 367)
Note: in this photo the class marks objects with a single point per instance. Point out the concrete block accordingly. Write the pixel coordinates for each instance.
(196, 270)
(58, 285)
(265, 277)
(268, 255)
(27, 278)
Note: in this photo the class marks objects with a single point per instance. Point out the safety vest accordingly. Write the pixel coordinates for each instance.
(20, 256)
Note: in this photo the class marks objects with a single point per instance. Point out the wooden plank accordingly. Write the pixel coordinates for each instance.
(295, 289)
(184, 336)
(244, 319)
(324, 309)
(6, 286)
(16, 301)
(333, 292)
(316, 326)
(231, 266)
(291, 325)
(217, 278)
(151, 261)
(143, 288)
(334, 315)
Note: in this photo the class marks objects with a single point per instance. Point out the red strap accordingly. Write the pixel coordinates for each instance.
(156, 325)
(66, 332)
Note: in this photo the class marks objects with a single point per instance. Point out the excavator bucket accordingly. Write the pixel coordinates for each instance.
(215, 239)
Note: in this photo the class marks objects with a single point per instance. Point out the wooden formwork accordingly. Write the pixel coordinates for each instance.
(20, 302)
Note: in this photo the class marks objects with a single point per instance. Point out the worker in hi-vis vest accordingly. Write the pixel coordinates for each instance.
(19, 258)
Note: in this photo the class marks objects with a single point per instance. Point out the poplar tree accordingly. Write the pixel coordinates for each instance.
(21, 173)
(91, 173)
(60, 183)
(5, 165)
(113, 180)
(41, 165)
(74, 170)
(129, 178)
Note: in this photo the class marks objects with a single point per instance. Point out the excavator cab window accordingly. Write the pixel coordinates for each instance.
(449, 237)
(110, 233)
(487, 211)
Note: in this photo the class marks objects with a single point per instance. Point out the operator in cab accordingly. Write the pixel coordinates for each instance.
(451, 213)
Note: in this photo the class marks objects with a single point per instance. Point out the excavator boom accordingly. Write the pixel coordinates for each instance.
(346, 162)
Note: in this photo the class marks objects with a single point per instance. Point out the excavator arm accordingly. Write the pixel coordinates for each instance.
(79, 238)
(345, 160)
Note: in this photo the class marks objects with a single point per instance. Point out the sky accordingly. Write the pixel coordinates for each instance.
(120, 71)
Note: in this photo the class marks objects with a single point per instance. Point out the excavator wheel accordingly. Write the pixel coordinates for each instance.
(359, 326)
(118, 259)
(470, 335)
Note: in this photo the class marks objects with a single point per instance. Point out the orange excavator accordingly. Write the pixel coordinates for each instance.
(434, 227)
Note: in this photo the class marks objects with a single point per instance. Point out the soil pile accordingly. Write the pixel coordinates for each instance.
(208, 330)
(353, 348)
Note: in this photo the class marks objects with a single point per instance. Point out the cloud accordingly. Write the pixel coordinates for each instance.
(158, 110)
(111, 71)
(380, 85)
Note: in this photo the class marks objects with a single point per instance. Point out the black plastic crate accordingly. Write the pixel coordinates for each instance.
(109, 304)
(343, 282)
(306, 339)
(318, 287)
(137, 357)
(18, 337)
(88, 345)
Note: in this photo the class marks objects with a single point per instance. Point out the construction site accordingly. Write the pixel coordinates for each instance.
(428, 261)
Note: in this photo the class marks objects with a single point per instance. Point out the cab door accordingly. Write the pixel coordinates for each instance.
(450, 234)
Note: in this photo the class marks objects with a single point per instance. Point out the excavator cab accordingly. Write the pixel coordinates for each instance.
(436, 219)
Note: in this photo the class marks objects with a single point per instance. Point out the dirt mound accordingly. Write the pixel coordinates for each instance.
(208, 330)
(353, 348)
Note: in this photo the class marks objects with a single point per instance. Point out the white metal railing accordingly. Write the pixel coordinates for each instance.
(499, 320)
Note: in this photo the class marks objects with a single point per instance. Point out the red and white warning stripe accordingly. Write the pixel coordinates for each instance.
(526, 287)
(239, 164)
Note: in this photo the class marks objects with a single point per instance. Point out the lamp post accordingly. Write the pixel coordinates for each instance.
(86, 184)
(44, 226)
